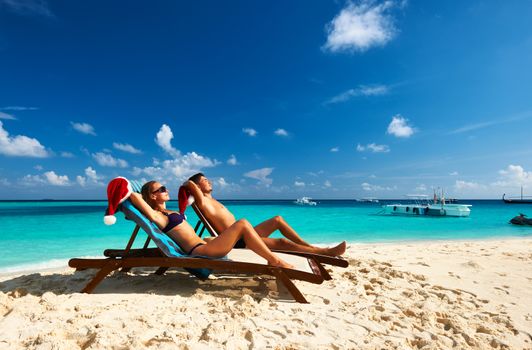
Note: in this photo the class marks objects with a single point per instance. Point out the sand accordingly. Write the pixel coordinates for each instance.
(423, 295)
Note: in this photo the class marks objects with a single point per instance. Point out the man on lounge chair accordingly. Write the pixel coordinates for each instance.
(221, 219)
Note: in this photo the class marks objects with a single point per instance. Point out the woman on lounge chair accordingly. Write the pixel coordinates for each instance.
(152, 203)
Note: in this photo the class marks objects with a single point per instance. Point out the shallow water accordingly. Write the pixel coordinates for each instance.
(46, 234)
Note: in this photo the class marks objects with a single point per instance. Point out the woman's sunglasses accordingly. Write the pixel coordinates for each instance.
(161, 189)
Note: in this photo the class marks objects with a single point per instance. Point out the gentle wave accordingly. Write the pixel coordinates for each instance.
(40, 266)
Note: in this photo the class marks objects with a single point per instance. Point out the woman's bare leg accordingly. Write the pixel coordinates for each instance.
(223, 244)
(285, 244)
(266, 228)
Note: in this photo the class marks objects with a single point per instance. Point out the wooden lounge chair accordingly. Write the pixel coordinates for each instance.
(168, 254)
(203, 223)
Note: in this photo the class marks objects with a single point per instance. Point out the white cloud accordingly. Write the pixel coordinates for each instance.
(90, 177)
(461, 185)
(32, 180)
(486, 124)
(67, 155)
(514, 176)
(126, 148)
(334, 149)
(7, 116)
(454, 173)
(316, 174)
(28, 7)
(261, 175)
(281, 132)
(221, 182)
(56, 180)
(399, 127)
(83, 128)
(91, 174)
(372, 188)
(5, 182)
(81, 180)
(164, 138)
(18, 108)
(232, 160)
(108, 160)
(373, 147)
(49, 177)
(250, 131)
(361, 26)
(38, 167)
(327, 183)
(299, 184)
(362, 90)
(20, 146)
(221, 185)
(179, 169)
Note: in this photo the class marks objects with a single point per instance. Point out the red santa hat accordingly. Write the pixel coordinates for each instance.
(118, 190)
(184, 198)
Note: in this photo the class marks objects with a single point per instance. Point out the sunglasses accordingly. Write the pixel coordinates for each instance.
(161, 189)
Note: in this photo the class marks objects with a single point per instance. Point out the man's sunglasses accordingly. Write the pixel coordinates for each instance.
(161, 189)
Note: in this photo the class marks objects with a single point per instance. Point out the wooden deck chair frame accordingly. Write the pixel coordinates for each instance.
(168, 255)
(204, 224)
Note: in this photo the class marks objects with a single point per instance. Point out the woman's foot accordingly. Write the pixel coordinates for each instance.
(336, 250)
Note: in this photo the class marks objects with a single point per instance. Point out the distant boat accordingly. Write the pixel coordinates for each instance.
(368, 200)
(517, 200)
(421, 206)
(305, 201)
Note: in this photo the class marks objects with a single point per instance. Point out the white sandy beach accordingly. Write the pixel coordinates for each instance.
(423, 295)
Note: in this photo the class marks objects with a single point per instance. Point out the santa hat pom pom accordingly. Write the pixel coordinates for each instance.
(109, 219)
(190, 200)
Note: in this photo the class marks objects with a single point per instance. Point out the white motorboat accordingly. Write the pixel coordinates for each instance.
(421, 206)
(305, 201)
(368, 200)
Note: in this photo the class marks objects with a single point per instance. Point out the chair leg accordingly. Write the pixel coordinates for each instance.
(287, 282)
(104, 271)
(161, 270)
(324, 273)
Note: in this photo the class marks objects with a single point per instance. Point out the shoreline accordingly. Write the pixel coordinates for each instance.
(60, 264)
(64, 261)
(445, 294)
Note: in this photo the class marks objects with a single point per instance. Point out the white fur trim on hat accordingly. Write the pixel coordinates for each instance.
(109, 219)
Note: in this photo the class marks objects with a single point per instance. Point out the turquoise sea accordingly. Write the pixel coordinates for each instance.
(42, 234)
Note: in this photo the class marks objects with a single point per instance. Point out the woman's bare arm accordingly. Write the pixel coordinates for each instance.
(145, 209)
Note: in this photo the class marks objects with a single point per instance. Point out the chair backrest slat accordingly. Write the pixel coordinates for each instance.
(161, 240)
(204, 221)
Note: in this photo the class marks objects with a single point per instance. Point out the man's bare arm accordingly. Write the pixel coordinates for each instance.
(195, 191)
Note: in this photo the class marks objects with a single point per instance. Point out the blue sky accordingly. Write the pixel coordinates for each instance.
(328, 99)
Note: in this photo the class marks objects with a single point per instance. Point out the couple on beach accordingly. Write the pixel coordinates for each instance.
(232, 232)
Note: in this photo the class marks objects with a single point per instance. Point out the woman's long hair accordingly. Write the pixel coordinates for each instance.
(146, 192)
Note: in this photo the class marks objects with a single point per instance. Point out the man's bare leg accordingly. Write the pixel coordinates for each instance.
(225, 241)
(266, 228)
(285, 244)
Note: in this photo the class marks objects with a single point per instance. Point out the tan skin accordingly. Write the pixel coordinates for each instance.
(222, 219)
(185, 236)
